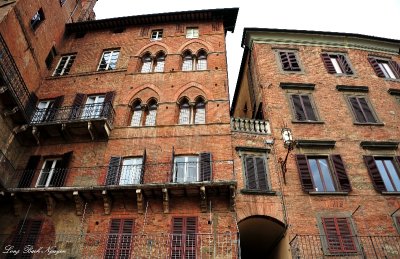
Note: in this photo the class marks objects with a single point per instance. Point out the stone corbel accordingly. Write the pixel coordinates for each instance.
(232, 196)
(50, 203)
(203, 199)
(65, 132)
(139, 200)
(90, 129)
(36, 134)
(19, 129)
(165, 200)
(79, 203)
(11, 112)
(17, 204)
(107, 201)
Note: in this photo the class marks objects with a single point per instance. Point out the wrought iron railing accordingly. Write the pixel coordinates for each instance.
(69, 114)
(15, 83)
(7, 170)
(149, 173)
(98, 245)
(250, 126)
(319, 246)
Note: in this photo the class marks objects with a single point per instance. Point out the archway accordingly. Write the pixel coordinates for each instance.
(261, 237)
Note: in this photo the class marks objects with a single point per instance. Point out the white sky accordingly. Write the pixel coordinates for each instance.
(371, 17)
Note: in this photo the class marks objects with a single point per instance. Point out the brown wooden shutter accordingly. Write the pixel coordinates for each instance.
(396, 68)
(107, 106)
(172, 165)
(373, 171)
(375, 66)
(25, 235)
(297, 107)
(339, 236)
(29, 172)
(143, 167)
(251, 182)
(304, 173)
(77, 105)
(30, 106)
(119, 240)
(184, 237)
(113, 170)
(285, 61)
(60, 173)
(112, 241)
(358, 113)
(125, 238)
(177, 238)
(341, 173)
(261, 173)
(366, 110)
(294, 65)
(328, 63)
(54, 109)
(190, 242)
(205, 166)
(309, 111)
(344, 64)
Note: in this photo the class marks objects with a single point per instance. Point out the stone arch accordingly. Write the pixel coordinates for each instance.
(144, 93)
(153, 48)
(192, 90)
(194, 45)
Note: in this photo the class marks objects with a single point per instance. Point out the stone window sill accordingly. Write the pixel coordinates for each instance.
(257, 192)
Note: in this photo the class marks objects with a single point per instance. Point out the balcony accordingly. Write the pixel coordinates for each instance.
(72, 123)
(153, 245)
(164, 181)
(315, 246)
(250, 126)
(6, 170)
(17, 101)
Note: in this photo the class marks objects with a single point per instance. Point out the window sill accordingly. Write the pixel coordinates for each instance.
(293, 72)
(393, 80)
(328, 193)
(257, 192)
(390, 193)
(369, 124)
(86, 73)
(308, 122)
(344, 75)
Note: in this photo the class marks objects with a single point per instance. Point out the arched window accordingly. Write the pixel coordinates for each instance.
(187, 61)
(184, 112)
(200, 112)
(146, 63)
(137, 114)
(159, 63)
(151, 113)
(202, 60)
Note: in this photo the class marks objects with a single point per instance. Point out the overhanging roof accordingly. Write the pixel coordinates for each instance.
(227, 15)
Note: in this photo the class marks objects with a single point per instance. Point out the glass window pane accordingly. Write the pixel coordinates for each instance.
(393, 173)
(130, 171)
(336, 66)
(326, 174)
(389, 70)
(151, 118)
(202, 64)
(184, 115)
(187, 63)
(383, 69)
(159, 66)
(136, 118)
(384, 175)
(200, 116)
(316, 175)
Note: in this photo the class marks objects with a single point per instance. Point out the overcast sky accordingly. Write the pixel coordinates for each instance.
(370, 17)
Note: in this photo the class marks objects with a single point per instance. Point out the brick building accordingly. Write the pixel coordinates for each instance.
(115, 133)
(331, 187)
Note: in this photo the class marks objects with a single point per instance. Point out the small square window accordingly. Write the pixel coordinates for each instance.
(337, 63)
(195, 168)
(256, 172)
(385, 68)
(303, 107)
(192, 32)
(362, 109)
(156, 34)
(50, 57)
(62, 2)
(289, 60)
(108, 60)
(64, 65)
(37, 19)
(384, 172)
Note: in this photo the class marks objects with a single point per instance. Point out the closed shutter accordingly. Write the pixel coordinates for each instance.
(298, 108)
(143, 167)
(205, 167)
(251, 182)
(375, 66)
(366, 110)
(344, 65)
(25, 235)
(309, 111)
(261, 173)
(294, 65)
(373, 171)
(77, 106)
(396, 68)
(184, 237)
(113, 170)
(172, 165)
(177, 238)
(358, 113)
(328, 63)
(339, 236)
(119, 240)
(341, 173)
(60, 173)
(29, 172)
(304, 173)
(190, 242)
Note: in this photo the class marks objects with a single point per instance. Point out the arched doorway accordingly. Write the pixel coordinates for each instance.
(261, 237)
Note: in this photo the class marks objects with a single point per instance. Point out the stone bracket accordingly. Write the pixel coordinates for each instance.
(203, 199)
(139, 200)
(165, 200)
(36, 134)
(232, 196)
(79, 203)
(17, 204)
(107, 202)
(90, 129)
(19, 129)
(50, 203)
(11, 112)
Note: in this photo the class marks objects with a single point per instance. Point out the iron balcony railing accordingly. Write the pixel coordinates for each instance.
(320, 246)
(7, 170)
(250, 126)
(149, 173)
(99, 245)
(69, 114)
(15, 83)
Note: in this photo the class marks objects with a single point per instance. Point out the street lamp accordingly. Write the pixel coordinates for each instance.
(289, 144)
